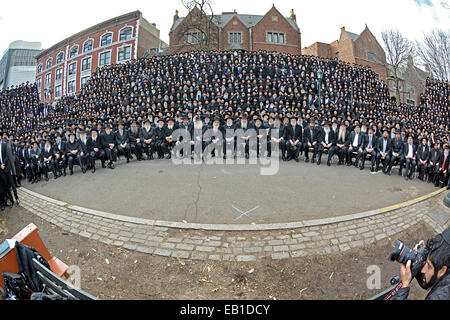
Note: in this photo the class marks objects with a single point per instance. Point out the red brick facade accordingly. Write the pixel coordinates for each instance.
(65, 75)
(230, 30)
(362, 49)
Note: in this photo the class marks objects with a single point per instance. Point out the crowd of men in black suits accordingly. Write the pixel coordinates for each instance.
(134, 109)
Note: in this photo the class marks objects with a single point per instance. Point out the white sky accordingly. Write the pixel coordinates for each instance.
(50, 21)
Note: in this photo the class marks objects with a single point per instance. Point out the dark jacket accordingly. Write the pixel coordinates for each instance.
(440, 291)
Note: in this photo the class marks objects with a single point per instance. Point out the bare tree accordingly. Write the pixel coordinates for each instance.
(200, 32)
(398, 49)
(434, 51)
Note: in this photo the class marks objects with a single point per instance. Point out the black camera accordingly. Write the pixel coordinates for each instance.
(404, 253)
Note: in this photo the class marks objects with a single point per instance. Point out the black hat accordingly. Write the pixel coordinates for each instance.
(108, 126)
(170, 119)
(147, 120)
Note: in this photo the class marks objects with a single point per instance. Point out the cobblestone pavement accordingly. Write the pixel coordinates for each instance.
(309, 237)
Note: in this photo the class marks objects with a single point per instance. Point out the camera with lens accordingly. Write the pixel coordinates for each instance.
(404, 253)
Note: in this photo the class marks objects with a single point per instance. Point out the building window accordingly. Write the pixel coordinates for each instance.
(337, 55)
(372, 57)
(39, 84)
(39, 68)
(73, 52)
(193, 37)
(84, 82)
(48, 78)
(276, 37)
(106, 39)
(47, 94)
(71, 87)
(126, 34)
(58, 91)
(235, 37)
(72, 68)
(104, 58)
(88, 45)
(49, 63)
(124, 53)
(86, 64)
(60, 57)
(58, 74)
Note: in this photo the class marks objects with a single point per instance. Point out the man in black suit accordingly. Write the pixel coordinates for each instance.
(423, 156)
(293, 138)
(123, 142)
(327, 141)
(354, 145)
(47, 160)
(229, 139)
(147, 137)
(108, 140)
(161, 144)
(245, 136)
(410, 154)
(261, 136)
(72, 152)
(384, 147)
(444, 165)
(280, 128)
(95, 150)
(310, 140)
(84, 151)
(369, 147)
(397, 153)
(435, 159)
(135, 140)
(59, 155)
(342, 139)
(5, 170)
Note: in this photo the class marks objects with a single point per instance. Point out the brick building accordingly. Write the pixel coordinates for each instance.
(362, 49)
(230, 30)
(65, 68)
(412, 82)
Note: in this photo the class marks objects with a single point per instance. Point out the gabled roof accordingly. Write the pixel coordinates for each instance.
(244, 18)
(352, 35)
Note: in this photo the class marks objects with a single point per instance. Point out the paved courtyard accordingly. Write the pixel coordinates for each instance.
(231, 194)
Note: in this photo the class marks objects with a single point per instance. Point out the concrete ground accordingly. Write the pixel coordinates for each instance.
(231, 194)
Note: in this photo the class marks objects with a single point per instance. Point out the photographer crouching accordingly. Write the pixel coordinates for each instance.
(429, 263)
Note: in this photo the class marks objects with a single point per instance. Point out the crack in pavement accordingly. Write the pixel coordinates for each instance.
(198, 194)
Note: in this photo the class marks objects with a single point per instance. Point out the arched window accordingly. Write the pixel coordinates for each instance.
(60, 57)
(73, 52)
(88, 45)
(49, 63)
(106, 39)
(39, 68)
(126, 33)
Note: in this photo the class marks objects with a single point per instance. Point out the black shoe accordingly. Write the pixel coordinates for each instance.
(84, 170)
(306, 160)
(112, 166)
(361, 168)
(297, 159)
(93, 170)
(103, 165)
(128, 160)
(11, 204)
(17, 202)
(328, 163)
(46, 179)
(319, 162)
(349, 164)
(64, 173)
(340, 163)
(71, 172)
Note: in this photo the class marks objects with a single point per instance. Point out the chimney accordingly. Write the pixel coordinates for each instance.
(342, 29)
(175, 17)
(293, 16)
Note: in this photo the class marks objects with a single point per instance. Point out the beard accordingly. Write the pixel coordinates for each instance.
(423, 283)
(170, 127)
(198, 126)
(327, 131)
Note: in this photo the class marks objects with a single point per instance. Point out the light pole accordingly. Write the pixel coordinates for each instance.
(320, 76)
